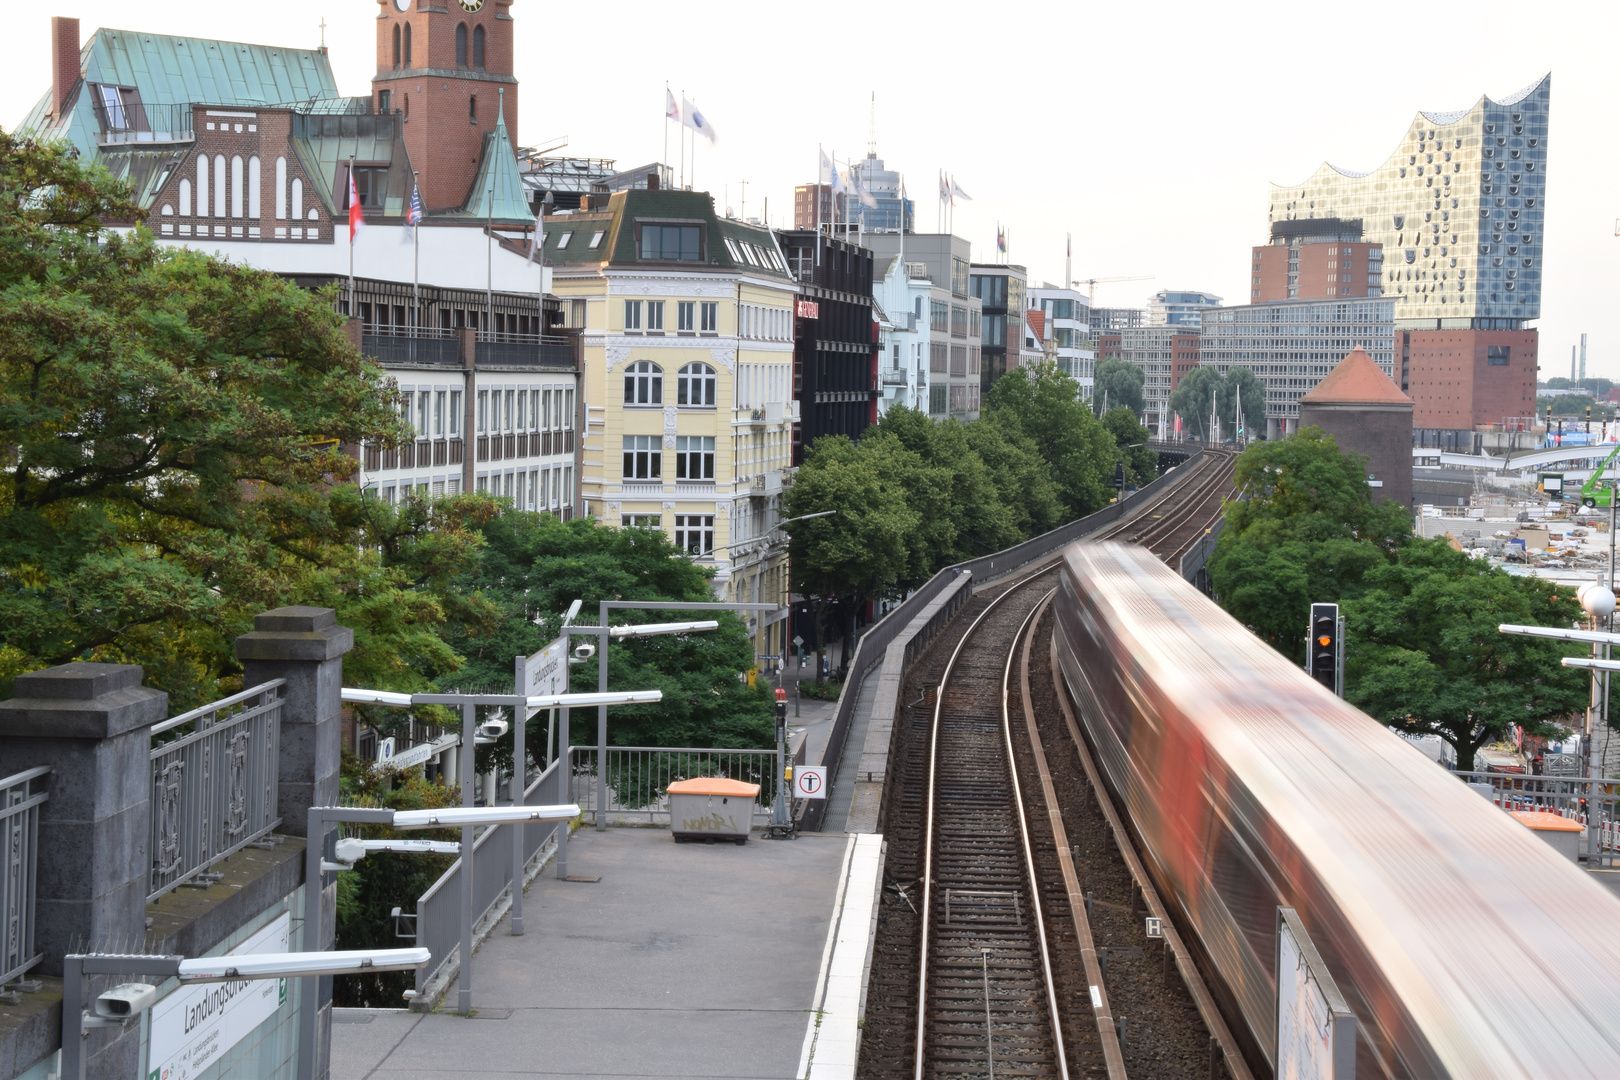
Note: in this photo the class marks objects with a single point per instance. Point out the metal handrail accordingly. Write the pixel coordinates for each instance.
(215, 706)
(19, 871)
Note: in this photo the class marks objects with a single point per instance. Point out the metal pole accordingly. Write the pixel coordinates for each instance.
(309, 985)
(469, 722)
(601, 717)
(73, 1033)
(520, 722)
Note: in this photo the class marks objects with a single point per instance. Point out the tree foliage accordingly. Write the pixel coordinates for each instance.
(1203, 387)
(1042, 404)
(1131, 438)
(1422, 650)
(174, 425)
(1117, 383)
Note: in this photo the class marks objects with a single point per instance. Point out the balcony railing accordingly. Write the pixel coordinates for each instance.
(124, 121)
(214, 783)
(20, 797)
(525, 349)
(411, 345)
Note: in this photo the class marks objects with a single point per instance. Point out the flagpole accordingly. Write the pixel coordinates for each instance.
(694, 150)
(354, 309)
(416, 262)
(683, 143)
(665, 158)
(489, 261)
(820, 156)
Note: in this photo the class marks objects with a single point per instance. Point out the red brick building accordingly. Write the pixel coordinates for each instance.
(1464, 379)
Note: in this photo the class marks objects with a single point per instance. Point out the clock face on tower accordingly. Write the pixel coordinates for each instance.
(471, 5)
(402, 5)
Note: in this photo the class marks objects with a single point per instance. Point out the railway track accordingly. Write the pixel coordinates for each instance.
(999, 918)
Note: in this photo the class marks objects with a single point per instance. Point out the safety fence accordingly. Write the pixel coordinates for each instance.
(214, 783)
(1593, 803)
(638, 779)
(20, 797)
(869, 650)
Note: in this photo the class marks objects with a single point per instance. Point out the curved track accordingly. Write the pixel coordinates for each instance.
(1007, 979)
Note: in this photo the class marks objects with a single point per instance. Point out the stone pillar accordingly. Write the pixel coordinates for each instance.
(305, 646)
(90, 723)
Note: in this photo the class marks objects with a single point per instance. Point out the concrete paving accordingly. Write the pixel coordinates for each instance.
(685, 960)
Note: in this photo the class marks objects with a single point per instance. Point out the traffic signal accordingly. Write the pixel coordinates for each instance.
(1589, 419)
(1322, 651)
(1119, 476)
(781, 714)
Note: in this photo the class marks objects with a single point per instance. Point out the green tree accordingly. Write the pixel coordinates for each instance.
(173, 425)
(1241, 384)
(864, 549)
(1423, 653)
(1041, 403)
(1118, 384)
(1199, 390)
(980, 518)
(1306, 532)
(1131, 438)
(1019, 474)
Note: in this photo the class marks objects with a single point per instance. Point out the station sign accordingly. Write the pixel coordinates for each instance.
(194, 1028)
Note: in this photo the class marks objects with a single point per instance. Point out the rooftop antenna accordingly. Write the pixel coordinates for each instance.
(871, 130)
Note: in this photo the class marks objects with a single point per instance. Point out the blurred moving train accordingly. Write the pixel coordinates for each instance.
(1466, 946)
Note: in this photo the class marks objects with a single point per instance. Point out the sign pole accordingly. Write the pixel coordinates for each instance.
(520, 722)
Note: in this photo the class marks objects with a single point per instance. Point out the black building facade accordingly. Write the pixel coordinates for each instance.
(835, 338)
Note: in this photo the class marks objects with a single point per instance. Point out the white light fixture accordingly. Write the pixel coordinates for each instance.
(279, 965)
(650, 629)
(1594, 637)
(1590, 663)
(374, 697)
(455, 817)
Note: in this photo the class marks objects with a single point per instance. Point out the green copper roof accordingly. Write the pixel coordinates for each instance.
(172, 71)
(498, 193)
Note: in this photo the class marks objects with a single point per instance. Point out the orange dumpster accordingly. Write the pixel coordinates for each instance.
(711, 808)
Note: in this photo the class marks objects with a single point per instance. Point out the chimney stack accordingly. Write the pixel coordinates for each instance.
(652, 181)
(64, 62)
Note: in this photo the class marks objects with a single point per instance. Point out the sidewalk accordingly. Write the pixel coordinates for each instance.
(685, 960)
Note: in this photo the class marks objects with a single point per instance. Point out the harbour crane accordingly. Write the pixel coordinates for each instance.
(1092, 283)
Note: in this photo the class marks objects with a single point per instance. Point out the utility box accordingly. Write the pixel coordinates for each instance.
(1563, 834)
(711, 808)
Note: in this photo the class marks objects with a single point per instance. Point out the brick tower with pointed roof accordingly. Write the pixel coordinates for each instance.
(1366, 412)
(442, 65)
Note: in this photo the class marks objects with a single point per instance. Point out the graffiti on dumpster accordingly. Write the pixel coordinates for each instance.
(710, 822)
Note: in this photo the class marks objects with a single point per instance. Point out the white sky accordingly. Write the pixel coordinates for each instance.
(1149, 131)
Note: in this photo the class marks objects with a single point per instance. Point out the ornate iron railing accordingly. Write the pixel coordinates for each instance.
(20, 797)
(214, 783)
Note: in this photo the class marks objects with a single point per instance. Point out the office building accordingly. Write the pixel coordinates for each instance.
(1458, 208)
(1292, 345)
(1315, 259)
(1068, 327)
(1000, 289)
(893, 212)
(1111, 320)
(835, 338)
(1164, 353)
(954, 315)
(817, 205)
(688, 326)
(1179, 308)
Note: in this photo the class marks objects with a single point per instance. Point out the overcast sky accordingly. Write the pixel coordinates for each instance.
(1149, 131)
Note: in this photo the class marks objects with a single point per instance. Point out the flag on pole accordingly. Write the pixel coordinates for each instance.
(944, 188)
(672, 108)
(832, 175)
(413, 216)
(958, 193)
(539, 238)
(1001, 240)
(692, 118)
(859, 189)
(357, 219)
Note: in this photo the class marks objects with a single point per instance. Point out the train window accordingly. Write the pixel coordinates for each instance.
(1245, 890)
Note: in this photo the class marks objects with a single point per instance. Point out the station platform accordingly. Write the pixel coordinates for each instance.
(684, 960)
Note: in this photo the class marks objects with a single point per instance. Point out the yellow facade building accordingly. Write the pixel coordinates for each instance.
(687, 323)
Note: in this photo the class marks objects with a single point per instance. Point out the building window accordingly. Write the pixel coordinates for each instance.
(407, 44)
(472, 109)
(632, 314)
(642, 521)
(396, 48)
(523, 409)
(936, 400)
(686, 316)
(694, 385)
(438, 412)
(939, 314)
(370, 183)
(478, 48)
(1496, 355)
(461, 45)
(643, 457)
(694, 457)
(709, 314)
(562, 241)
(643, 384)
(455, 413)
(422, 414)
(506, 413)
(670, 243)
(694, 533)
(483, 410)
(655, 316)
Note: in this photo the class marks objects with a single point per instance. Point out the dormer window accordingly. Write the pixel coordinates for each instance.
(562, 241)
(596, 241)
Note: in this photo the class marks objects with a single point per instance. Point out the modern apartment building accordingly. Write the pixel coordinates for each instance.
(1001, 289)
(1316, 259)
(835, 338)
(1179, 307)
(1459, 208)
(1067, 313)
(1112, 320)
(1292, 345)
(688, 327)
(954, 316)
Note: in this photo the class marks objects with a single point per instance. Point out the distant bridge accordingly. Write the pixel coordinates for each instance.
(1518, 462)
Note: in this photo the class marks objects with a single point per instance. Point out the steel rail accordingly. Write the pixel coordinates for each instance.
(927, 839)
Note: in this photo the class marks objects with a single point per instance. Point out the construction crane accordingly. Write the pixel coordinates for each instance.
(1092, 284)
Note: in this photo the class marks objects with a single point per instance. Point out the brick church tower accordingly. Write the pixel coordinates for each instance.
(442, 65)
